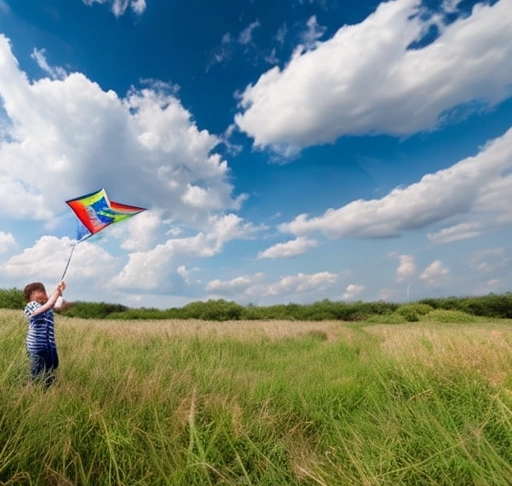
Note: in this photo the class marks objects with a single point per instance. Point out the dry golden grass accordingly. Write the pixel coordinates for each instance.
(484, 348)
(242, 330)
(272, 330)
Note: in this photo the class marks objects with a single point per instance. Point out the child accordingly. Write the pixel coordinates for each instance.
(40, 341)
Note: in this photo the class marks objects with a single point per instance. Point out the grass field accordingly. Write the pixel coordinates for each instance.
(260, 403)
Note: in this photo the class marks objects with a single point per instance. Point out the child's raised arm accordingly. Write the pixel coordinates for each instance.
(52, 299)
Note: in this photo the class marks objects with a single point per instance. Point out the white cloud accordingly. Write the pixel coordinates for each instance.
(313, 33)
(18, 202)
(272, 57)
(434, 272)
(289, 249)
(450, 6)
(352, 291)
(7, 242)
(151, 269)
(457, 232)
(476, 188)
(245, 36)
(301, 283)
(250, 288)
(406, 268)
(47, 259)
(202, 198)
(221, 53)
(119, 7)
(186, 273)
(281, 34)
(235, 286)
(68, 137)
(492, 198)
(138, 6)
(365, 80)
(39, 55)
(141, 231)
(231, 45)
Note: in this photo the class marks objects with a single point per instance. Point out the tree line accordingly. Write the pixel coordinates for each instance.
(491, 305)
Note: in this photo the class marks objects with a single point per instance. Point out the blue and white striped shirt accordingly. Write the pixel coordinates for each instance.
(41, 333)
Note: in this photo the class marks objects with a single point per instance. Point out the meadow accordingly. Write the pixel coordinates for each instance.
(261, 402)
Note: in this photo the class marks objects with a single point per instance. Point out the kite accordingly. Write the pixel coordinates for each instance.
(95, 211)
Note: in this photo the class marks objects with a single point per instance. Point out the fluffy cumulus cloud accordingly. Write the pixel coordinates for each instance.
(476, 189)
(289, 249)
(140, 231)
(250, 288)
(155, 268)
(301, 283)
(434, 273)
(119, 7)
(406, 268)
(68, 137)
(7, 242)
(353, 291)
(235, 286)
(48, 258)
(63, 136)
(367, 79)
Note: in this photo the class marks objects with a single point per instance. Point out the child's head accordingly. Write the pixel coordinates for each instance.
(35, 291)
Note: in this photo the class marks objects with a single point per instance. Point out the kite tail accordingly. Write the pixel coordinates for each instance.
(69, 259)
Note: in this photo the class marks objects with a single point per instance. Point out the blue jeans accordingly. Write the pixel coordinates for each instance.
(43, 365)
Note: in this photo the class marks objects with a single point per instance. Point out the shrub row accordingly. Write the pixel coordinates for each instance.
(492, 305)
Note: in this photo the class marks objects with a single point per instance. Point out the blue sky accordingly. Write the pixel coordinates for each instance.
(286, 150)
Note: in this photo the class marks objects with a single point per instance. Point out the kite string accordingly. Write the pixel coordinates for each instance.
(69, 259)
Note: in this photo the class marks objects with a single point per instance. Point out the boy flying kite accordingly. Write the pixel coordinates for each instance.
(40, 340)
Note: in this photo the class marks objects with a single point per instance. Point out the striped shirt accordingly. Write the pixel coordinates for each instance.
(40, 334)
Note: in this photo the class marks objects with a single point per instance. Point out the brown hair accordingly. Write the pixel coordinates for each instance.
(32, 287)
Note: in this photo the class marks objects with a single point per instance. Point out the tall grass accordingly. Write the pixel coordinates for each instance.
(260, 403)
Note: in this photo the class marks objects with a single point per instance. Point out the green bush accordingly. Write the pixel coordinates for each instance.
(143, 313)
(394, 318)
(11, 299)
(92, 310)
(449, 316)
(491, 305)
(414, 311)
(212, 310)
